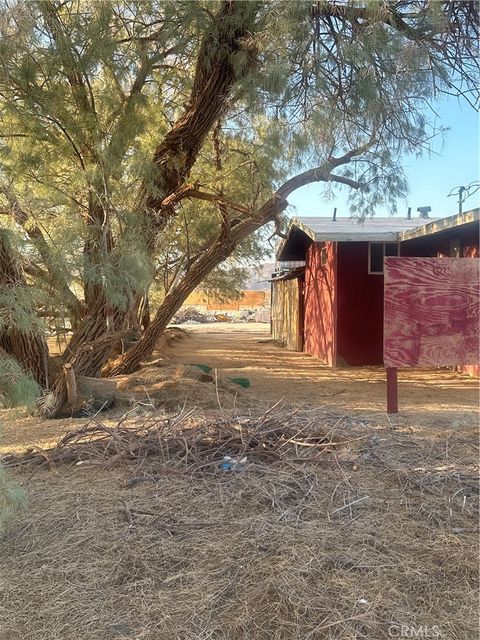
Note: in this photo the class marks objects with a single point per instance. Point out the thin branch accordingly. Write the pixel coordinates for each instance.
(36, 237)
(192, 191)
(348, 181)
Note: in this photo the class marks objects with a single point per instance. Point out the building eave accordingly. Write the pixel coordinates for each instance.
(367, 236)
(441, 224)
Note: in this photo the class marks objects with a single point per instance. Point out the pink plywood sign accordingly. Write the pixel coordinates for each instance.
(432, 311)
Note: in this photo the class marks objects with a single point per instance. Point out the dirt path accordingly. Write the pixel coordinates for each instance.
(276, 373)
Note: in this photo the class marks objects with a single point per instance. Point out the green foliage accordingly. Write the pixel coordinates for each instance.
(18, 309)
(12, 498)
(125, 271)
(17, 388)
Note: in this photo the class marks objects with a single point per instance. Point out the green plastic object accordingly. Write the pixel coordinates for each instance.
(204, 367)
(243, 382)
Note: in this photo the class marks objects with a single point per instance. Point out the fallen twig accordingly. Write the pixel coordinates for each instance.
(350, 504)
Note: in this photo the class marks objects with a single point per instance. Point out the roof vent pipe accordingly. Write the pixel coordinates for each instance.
(334, 219)
(424, 211)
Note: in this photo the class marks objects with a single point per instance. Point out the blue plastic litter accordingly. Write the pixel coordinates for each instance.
(232, 464)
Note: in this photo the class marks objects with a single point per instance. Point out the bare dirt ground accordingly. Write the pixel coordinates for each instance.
(297, 378)
(374, 538)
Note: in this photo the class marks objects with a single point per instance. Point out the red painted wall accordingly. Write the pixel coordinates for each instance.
(359, 307)
(320, 303)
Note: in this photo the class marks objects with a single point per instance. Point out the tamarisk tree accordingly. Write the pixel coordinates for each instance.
(149, 144)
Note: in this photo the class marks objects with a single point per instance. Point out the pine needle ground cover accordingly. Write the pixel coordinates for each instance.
(335, 527)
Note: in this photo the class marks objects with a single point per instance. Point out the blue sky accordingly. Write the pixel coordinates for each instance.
(456, 162)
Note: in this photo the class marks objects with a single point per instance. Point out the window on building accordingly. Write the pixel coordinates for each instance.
(377, 251)
(323, 256)
(456, 248)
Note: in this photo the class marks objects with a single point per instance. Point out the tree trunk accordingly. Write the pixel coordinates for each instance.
(171, 304)
(30, 350)
(211, 258)
(101, 318)
(93, 327)
(216, 73)
(28, 346)
(93, 340)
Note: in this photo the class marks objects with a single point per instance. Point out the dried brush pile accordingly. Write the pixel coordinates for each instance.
(173, 386)
(190, 441)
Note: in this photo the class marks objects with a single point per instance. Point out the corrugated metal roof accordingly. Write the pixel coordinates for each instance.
(351, 230)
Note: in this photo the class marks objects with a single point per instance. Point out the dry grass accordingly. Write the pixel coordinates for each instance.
(172, 386)
(379, 531)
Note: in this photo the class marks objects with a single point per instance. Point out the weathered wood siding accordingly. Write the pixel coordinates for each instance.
(286, 313)
(320, 303)
(432, 312)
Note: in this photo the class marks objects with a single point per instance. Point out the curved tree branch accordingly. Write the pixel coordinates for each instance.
(216, 252)
(55, 273)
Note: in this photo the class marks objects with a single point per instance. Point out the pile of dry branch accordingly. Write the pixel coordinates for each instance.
(191, 441)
